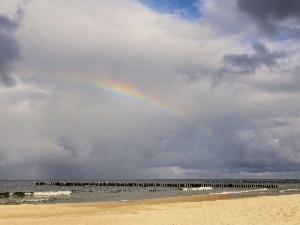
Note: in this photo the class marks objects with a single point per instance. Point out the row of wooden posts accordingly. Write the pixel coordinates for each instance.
(146, 184)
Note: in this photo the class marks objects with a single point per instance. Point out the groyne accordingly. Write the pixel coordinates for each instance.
(158, 184)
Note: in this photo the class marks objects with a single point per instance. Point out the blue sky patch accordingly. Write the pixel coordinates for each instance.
(282, 37)
(188, 9)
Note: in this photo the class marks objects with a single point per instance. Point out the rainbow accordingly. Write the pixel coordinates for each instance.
(135, 94)
(125, 90)
(130, 92)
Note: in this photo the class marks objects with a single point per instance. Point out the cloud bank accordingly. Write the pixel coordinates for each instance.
(9, 46)
(274, 17)
(121, 90)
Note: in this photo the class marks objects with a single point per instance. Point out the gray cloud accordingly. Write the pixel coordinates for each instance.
(9, 46)
(248, 63)
(244, 64)
(274, 18)
(259, 144)
(290, 86)
(8, 24)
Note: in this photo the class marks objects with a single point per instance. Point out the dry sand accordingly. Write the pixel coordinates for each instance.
(201, 209)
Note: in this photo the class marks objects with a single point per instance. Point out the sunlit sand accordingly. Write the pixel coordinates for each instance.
(199, 209)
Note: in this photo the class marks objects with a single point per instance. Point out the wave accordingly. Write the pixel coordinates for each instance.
(19, 194)
(4, 195)
(239, 192)
(289, 190)
(35, 194)
(52, 193)
(33, 200)
(197, 189)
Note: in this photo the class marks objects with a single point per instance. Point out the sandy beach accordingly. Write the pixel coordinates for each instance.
(200, 209)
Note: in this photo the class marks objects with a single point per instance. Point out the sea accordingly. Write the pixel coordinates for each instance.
(49, 192)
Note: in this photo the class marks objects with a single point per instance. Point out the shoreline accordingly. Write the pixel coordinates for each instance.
(146, 201)
(188, 197)
(195, 209)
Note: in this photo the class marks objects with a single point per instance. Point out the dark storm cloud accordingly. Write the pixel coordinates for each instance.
(280, 17)
(8, 24)
(261, 156)
(9, 46)
(248, 63)
(244, 64)
(258, 144)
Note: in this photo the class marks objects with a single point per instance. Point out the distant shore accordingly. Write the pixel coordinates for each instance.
(196, 209)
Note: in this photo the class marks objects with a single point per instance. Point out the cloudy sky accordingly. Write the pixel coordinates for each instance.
(125, 89)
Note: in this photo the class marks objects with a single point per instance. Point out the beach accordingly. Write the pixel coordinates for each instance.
(197, 209)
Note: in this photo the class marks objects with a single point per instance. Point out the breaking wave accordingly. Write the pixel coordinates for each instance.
(289, 190)
(52, 193)
(35, 194)
(239, 192)
(197, 189)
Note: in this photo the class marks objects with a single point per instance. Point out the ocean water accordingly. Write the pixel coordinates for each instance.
(27, 192)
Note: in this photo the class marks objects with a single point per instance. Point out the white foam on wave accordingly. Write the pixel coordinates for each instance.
(197, 189)
(52, 193)
(289, 190)
(28, 193)
(17, 193)
(33, 200)
(239, 192)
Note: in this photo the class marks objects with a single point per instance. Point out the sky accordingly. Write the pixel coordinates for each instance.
(148, 89)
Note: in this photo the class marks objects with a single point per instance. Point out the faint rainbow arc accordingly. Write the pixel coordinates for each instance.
(131, 92)
(122, 89)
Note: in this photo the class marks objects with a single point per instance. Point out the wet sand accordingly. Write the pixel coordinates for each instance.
(198, 209)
